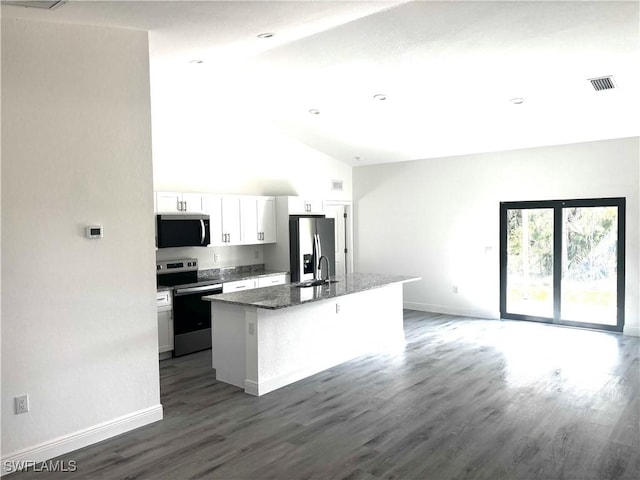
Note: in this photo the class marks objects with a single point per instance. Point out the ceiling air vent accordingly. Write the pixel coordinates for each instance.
(602, 83)
(336, 185)
(47, 5)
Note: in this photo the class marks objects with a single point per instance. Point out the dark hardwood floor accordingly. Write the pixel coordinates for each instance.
(466, 399)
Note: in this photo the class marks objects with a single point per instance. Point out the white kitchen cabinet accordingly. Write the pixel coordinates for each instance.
(175, 202)
(305, 206)
(239, 285)
(231, 220)
(256, 282)
(165, 321)
(213, 208)
(272, 280)
(266, 207)
(258, 215)
(224, 219)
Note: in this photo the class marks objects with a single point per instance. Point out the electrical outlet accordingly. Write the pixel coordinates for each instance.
(455, 289)
(257, 254)
(252, 328)
(216, 257)
(22, 404)
(337, 308)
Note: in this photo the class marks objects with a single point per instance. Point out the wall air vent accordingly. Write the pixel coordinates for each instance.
(336, 185)
(47, 5)
(602, 83)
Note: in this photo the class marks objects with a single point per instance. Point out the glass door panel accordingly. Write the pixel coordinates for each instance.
(530, 262)
(589, 265)
(563, 261)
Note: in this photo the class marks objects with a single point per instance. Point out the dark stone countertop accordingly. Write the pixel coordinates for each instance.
(230, 274)
(288, 295)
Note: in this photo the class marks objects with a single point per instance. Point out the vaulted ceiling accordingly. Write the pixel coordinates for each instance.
(448, 71)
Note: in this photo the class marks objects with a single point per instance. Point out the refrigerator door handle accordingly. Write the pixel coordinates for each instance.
(317, 254)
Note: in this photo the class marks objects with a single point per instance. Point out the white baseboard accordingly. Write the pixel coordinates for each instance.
(83, 438)
(264, 387)
(630, 330)
(463, 312)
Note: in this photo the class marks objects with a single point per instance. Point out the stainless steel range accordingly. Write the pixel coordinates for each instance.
(191, 315)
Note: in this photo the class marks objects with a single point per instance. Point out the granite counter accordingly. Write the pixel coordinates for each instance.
(290, 295)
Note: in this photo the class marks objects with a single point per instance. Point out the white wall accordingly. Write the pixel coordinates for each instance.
(208, 136)
(440, 218)
(78, 316)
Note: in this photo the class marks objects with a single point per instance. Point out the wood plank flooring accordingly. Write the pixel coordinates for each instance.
(466, 399)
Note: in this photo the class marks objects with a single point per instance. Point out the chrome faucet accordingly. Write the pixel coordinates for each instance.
(320, 268)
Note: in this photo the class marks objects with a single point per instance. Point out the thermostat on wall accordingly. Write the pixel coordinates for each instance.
(93, 231)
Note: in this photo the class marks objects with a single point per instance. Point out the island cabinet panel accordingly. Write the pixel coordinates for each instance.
(285, 345)
(226, 357)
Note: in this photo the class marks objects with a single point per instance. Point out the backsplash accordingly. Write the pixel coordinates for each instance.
(216, 257)
(221, 273)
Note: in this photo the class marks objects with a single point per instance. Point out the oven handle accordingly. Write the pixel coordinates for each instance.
(203, 232)
(212, 289)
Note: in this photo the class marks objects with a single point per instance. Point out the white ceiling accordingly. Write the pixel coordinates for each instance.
(449, 69)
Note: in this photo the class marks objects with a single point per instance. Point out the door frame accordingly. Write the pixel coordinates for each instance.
(557, 206)
(348, 205)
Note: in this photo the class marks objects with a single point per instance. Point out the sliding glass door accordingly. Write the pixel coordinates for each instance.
(563, 262)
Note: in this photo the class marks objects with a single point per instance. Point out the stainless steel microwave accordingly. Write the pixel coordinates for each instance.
(182, 230)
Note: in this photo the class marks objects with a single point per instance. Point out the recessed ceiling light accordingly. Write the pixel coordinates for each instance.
(266, 35)
(314, 111)
(196, 62)
(517, 101)
(357, 158)
(379, 96)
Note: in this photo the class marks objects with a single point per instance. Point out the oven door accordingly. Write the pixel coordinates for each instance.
(192, 318)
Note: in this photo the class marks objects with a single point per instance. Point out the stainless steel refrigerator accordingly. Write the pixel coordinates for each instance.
(309, 239)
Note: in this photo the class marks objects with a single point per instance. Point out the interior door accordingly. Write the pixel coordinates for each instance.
(338, 212)
(562, 261)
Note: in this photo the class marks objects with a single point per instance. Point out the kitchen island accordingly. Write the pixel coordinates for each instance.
(266, 338)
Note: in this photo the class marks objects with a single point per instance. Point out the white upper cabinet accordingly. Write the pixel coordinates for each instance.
(266, 208)
(231, 215)
(175, 202)
(233, 219)
(305, 206)
(213, 208)
(249, 207)
(258, 220)
(168, 202)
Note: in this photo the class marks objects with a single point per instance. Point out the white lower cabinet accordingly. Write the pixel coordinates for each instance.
(239, 285)
(272, 280)
(251, 283)
(165, 321)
